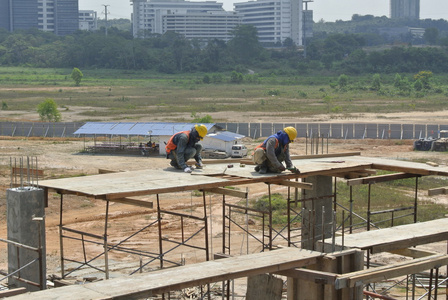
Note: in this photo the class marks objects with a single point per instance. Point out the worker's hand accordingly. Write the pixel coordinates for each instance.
(188, 170)
(199, 165)
(282, 168)
(294, 170)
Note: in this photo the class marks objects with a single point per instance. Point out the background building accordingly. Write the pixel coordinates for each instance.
(58, 16)
(275, 20)
(18, 14)
(88, 20)
(200, 20)
(405, 9)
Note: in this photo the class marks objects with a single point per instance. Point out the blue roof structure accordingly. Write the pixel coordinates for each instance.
(135, 128)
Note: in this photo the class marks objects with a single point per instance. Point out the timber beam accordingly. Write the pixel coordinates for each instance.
(380, 178)
(295, 184)
(135, 202)
(227, 192)
(438, 191)
(315, 276)
(390, 271)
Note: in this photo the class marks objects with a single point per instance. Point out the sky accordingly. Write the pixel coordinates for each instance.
(328, 10)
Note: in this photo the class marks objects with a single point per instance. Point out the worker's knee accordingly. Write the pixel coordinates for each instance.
(189, 153)
(259, 156)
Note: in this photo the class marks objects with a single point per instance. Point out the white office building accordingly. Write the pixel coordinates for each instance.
(275, 20)
(88, 20)
(195, 20)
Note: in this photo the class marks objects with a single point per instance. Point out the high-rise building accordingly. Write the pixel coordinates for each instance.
(58, 16)
(195, 20)
(18, 14)
(66, 16)
(275, 20)
(409, 9)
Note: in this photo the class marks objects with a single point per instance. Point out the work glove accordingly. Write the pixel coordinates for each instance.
(188, 170)
(282, 168)
(199, 165)
(294, 170)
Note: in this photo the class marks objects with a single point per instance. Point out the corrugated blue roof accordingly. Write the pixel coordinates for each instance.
(135, 128)
(226, 136)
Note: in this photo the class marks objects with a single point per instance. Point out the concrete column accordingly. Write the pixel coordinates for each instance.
(264, 287)
(312, 218)
(22, 205)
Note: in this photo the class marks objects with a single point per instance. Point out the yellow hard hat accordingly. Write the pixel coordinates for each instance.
(291, 132)
(201, 129)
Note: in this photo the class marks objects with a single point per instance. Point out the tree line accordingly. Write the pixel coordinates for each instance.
(332, 53)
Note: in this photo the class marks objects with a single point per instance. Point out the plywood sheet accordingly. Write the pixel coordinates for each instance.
(397, 237)
(145, 182)
(401, 165)
(182, 277)
(130, 183)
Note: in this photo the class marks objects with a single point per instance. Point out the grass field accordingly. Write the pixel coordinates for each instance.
(109, 93)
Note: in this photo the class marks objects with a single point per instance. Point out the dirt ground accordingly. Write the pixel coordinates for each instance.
(65, 157)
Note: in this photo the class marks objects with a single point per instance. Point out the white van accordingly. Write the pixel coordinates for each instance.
(239, 151)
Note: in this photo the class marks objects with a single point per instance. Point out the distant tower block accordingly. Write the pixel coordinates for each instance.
(405, 9)
(24, 204)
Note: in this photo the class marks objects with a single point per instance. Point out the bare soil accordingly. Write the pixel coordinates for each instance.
(65, 157)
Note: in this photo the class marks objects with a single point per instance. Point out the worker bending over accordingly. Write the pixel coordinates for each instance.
(184, 145)
(269, 155)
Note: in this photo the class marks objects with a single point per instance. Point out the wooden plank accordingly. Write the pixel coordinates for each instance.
(106, 171)
(319, 277)
(295, 184)
(250, 162)
(144, 284)
(390, 271)
(379, 178)
(135, 202)
(228, 192)
(402, 166)
(437, 191)
(411, 252)
(398, 237)
(12, 292)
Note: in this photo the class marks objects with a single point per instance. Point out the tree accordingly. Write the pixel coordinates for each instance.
(424, 77)
(245, 45)
(431, 35)
(376, 82)
(77, 76)
(342, 81)
(48, 111)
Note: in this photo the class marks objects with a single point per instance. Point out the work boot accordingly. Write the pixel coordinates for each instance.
(263, 170)
(174, 164)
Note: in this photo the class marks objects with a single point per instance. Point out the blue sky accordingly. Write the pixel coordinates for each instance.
(328, 10)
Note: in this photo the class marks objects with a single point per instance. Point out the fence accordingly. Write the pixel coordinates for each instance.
(39, 129)
(340, 130)
(257, 130)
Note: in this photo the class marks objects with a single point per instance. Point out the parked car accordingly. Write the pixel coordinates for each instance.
(239, 151)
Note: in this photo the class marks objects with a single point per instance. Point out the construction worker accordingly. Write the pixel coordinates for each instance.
(269, 155)
(184, 145)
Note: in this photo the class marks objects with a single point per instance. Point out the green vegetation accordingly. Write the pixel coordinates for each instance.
(384, 196)
(135, 94)
(48, 111)
(360, 46)
(77, 76)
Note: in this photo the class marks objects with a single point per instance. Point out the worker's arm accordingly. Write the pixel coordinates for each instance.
(288, 161)
(181, 146)
(270, 153)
